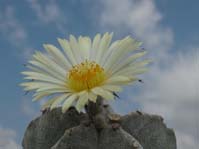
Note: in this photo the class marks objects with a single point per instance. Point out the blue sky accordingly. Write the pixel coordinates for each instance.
(169, 30)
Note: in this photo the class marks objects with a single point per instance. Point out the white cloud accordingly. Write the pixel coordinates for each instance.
(49, 13)
(186, 141)
(10, 26)
(141, 18)
(7, 139)
(13, 31)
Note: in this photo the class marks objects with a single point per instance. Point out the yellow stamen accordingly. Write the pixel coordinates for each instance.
(85, 76)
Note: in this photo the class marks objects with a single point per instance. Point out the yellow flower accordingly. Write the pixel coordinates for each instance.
(83, 70)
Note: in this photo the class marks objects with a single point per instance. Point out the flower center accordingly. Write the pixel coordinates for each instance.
(85, 76)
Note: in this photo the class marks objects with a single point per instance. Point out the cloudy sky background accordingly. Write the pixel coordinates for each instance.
(168, 29)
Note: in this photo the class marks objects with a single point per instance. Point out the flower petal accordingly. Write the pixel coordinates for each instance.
(58, 89)
(43, 69)
(92, 97)
(118, 80)
(127, 62)
(85, 45)
(103, 47)
(68, 51)
(49, 63)
(82, 101)
(137, 71)
(125, 46)
(48, 103)
(103, 93)
(75, 48)
(68, 102)
(95, 45)
(132, 68)
(57, 55)
(39, 95)
(112, 88)
(41, 77)
(59, 100)
(35, 85)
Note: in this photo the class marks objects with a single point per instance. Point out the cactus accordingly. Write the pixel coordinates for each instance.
(98, 128)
